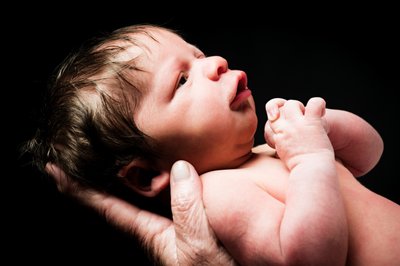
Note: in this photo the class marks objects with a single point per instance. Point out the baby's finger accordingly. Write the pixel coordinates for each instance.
(315, 107)
(272, 108)
(269, 134)
(292, 109)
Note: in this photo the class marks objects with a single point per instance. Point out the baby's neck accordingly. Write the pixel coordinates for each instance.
(232, 163)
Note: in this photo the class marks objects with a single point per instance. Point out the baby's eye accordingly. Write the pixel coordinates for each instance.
(182, 80)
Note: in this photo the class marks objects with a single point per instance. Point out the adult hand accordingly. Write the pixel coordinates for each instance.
(187, 240)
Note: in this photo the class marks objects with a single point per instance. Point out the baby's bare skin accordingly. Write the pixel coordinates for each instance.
(301, 206)
(304, 208)
(373, 221)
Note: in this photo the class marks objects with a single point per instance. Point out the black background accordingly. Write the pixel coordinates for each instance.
(348, 57)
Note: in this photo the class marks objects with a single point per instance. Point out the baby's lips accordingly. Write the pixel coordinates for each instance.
(240, 98)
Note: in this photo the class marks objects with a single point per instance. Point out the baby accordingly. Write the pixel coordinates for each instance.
(128, 107)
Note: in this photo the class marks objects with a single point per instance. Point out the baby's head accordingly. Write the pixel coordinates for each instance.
(127, 106)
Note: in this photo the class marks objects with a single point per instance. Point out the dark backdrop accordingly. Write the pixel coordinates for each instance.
(349, 59)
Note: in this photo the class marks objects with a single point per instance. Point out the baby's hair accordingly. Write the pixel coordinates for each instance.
(87, 127)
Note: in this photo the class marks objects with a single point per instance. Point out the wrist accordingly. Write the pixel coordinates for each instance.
(324, 157)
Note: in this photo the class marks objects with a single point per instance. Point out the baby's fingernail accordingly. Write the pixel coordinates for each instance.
(272, 113)
(180, 171)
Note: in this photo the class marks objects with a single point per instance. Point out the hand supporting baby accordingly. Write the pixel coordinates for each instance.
(186, 240)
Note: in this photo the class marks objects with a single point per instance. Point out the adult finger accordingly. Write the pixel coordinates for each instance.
(195, 240)
(154, 231)
(65, 184)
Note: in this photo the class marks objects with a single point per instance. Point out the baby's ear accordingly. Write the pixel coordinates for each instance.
(144, 179)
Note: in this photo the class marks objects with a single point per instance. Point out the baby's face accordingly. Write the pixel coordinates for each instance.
(195, 107)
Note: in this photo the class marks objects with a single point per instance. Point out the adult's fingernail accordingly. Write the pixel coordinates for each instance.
(49, 168)
(180, 171)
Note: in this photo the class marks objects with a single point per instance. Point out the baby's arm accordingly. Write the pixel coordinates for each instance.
(313, 229)
(356, 143)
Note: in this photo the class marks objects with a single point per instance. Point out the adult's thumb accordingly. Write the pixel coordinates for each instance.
(186, 190)
(181, 171)
(186, 203)
(195, 240)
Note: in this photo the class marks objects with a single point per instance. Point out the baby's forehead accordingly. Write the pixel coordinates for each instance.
(151, 47)
(127, 47)
(143, 43)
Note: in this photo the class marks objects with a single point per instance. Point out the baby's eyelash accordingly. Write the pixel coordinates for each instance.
(182, 80)
(200, 56)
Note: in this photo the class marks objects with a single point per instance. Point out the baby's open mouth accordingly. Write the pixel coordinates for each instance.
(242, 93)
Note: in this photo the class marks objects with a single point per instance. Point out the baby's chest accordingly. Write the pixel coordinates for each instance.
(269, 174)
(235, 191)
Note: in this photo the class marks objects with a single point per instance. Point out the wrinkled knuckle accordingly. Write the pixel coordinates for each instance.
(196, 256)
(65, 188)
(211, 256)
(182, 204)
(105, 212)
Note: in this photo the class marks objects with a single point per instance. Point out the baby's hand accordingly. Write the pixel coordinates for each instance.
(297, 132)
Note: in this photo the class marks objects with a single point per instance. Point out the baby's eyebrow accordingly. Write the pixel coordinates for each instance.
(197, 51)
